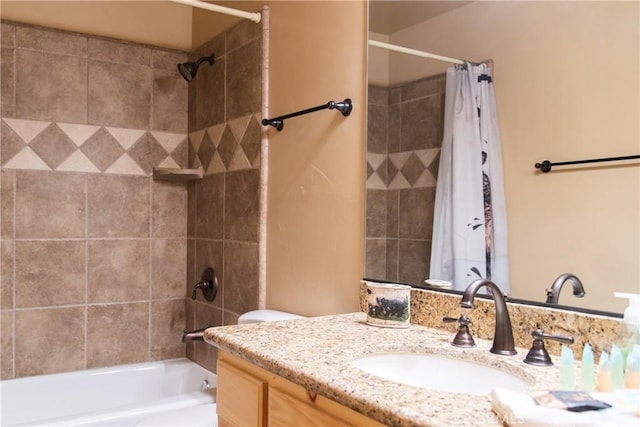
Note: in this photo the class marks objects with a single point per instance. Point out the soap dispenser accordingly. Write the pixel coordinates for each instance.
(629, 331)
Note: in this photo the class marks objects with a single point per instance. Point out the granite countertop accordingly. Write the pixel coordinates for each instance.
(316, 353)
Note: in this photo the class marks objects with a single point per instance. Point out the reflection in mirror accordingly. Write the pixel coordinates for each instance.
(565, 76)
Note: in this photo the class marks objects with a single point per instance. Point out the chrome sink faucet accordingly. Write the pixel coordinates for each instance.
(553, 293)
(503, 335)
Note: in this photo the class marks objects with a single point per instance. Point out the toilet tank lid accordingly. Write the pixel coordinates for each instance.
(257, 316)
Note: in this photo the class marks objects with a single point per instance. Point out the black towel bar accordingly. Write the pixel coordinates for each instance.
(545, 166)
(278, 122)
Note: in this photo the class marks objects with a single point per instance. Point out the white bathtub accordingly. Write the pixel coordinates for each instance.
(155, 393)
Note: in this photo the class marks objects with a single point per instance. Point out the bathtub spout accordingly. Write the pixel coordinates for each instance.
(195, 335)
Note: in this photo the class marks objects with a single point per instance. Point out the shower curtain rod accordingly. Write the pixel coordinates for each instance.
(414, 52)
(252, 16)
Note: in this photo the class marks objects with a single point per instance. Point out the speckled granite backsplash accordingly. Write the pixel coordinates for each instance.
(429, 307)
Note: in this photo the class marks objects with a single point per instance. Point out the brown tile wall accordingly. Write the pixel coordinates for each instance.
(94, 251)
(405, 126)
(97, 257)
(225, 134)
(100, 278)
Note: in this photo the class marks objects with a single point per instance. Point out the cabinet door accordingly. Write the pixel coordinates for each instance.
(287, 411)
(240, 397)
(292, 405)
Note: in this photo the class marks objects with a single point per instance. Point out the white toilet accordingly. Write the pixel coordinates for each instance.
(257, 316)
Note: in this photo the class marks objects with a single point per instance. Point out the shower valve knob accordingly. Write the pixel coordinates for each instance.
(208, 284)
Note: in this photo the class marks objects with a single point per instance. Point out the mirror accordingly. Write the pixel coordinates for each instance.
(566, 84)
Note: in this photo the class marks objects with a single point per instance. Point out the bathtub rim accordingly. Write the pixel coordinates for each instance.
(20, 413)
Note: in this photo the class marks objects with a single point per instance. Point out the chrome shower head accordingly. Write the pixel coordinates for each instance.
(188, 70)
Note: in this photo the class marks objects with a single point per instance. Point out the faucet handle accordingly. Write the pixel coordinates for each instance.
(538, 354)
(208, 284)
(463, 337)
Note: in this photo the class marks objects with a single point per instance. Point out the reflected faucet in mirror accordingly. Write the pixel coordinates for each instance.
(503, 335)
(553, 293)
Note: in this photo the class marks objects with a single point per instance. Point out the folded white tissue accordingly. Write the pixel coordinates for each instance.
(519, 409)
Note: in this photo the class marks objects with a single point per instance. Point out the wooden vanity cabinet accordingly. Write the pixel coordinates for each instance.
(249, 396)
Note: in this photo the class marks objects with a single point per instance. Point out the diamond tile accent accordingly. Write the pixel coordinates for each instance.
(11, 143)
(375, 159)
(427, 156)
(169, 141)
(26, 159)
(72, 147)
(125, 165)
(26, 129)
(375, 183)
(434, 166)
(77, 162)
(392, 171)
(102, 149)
(383, 171)
(227, 147)
(413, 168)
(157, 152)
(430, 158)
(53, 146)
(206, 151)
(215, 133)
(407, 169)
(399, 182)
(374, 162)
(195, 139)
(396, 180)
(251, 141)
(239, 160)
(180, 154)
(216, 165)
(139, 152)
(399, 159)
(125, 137)
(78, 133)
(196, 163)
(168, 163)
(425, 180)
(239, 127)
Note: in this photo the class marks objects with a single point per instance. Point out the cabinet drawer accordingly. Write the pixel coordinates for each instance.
(240, 397)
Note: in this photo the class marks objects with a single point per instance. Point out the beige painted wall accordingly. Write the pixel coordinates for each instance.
(315, 230)
(157, 23)
(567, 88)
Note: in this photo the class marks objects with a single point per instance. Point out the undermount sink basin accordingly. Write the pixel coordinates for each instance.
(439, 373)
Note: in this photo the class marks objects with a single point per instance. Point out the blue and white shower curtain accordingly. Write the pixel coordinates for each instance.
(470, 225)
